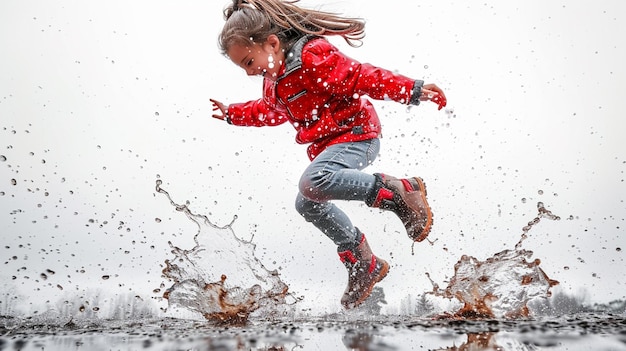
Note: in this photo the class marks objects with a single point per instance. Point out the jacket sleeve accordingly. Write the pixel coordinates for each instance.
(254, 113)
(339, 74)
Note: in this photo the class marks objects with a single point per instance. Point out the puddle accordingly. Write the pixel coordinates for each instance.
(575, 332)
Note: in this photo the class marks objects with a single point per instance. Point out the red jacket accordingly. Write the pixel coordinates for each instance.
(320, 92)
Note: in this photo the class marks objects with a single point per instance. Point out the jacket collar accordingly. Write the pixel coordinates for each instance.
(293, 59)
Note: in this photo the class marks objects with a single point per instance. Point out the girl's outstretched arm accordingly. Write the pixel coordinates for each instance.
(431, 92)
(255, 113)
(218, 106)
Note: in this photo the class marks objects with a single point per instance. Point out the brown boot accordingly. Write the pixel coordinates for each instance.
(364, 271)
(407, 199)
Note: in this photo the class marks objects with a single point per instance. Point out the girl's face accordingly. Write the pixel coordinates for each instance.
(259, 59)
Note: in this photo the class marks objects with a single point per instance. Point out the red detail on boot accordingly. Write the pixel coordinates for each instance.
(383, 194)
(347, 255)
(407, 185)
(362, 238)
(372, 264)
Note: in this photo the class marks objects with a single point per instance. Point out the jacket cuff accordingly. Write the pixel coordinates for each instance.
(227, 116)
(416, 92)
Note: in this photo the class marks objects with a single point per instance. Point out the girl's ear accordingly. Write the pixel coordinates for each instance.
(274, 43)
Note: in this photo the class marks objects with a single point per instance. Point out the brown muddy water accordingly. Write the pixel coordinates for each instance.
(591, 331)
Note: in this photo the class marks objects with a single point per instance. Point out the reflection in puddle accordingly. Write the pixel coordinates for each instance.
(488, 342)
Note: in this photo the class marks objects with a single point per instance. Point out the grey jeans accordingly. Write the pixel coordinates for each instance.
(335, 174)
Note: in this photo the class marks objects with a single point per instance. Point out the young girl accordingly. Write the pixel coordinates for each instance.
(309, 83)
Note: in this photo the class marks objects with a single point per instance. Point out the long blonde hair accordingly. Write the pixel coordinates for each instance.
(253, 21)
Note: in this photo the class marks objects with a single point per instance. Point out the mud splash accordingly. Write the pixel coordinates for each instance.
(500, 286)
(220, 277)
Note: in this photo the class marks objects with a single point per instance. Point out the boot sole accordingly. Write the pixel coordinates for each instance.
(429, 213)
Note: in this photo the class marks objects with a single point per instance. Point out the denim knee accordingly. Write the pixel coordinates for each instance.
(312, 184)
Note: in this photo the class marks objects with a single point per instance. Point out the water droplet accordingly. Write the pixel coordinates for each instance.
(106, 277)
(618, 249)
(13, 181)
(158, 220)
(540, 192)
(2, 158)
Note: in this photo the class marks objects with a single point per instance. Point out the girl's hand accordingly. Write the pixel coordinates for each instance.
(435, 94)
(218, 106)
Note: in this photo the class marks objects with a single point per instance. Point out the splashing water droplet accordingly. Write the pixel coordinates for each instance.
(500, 286)
(218, 252)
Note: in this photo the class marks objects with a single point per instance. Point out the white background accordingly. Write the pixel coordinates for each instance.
(97, 99)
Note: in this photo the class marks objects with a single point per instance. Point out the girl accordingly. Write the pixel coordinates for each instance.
(309, 83)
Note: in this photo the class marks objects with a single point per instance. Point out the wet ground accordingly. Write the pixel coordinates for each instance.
(578, 332)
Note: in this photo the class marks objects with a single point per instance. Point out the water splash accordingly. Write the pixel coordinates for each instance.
(502, 285)
(220, 277)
